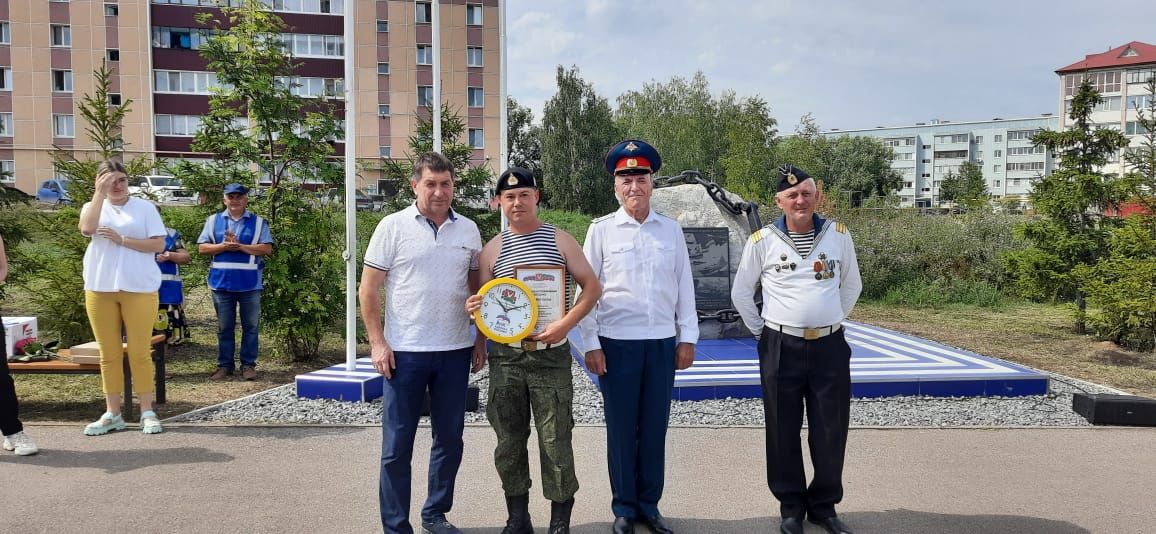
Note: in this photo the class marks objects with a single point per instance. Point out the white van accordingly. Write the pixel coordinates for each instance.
(161, 189)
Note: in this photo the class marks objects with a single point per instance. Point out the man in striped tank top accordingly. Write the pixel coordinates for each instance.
(533, 376)
(810, 280)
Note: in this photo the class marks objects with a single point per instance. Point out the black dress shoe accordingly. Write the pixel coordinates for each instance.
(791, 525)
(657, 523)
(832, 525)
(623, 525)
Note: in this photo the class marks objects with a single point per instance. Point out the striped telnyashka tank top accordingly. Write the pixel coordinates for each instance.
(535, 248)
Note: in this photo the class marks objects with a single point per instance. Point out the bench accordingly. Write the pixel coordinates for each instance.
(65, 367)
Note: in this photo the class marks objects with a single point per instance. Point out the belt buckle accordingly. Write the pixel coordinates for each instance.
(529, 346)
(812, 333)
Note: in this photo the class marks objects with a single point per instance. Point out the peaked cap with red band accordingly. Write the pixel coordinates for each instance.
(632, 156)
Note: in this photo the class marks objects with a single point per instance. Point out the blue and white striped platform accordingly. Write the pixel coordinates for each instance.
(334, 382)
(884, 363)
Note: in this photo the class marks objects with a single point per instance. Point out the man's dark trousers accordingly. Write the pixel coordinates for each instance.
(636, 392)
(818, 372)
(445, 374)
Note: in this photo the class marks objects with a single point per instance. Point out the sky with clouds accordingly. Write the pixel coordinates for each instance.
(852, 64)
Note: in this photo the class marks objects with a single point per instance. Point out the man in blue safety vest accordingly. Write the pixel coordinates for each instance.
(171, 316)
(238, 240)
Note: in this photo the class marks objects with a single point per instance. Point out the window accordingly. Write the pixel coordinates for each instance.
(474, 97)
(1140, 76)
(181, 38)
(383, 110)
(473, 15)
(1134, 128)
(114, 99)
(1108, 103)
(979, 139)
(383, 68)
(953, 138)
(908, 185)
(176, 81)
(308, 45)
(998, 153)
(61, 34)
(1028, 166)
(1103, 82)
(7, 171)
(904, 156)
(1026, 150)
(995, 183)
(476, 138)
(424, 12)
(425, 96)
(997, 168)
(5, 78)
(314, 87)
(424, 55)
(1139, 102)
(113, 55)
(385, 152)
(382, 26)
(178, 125)
(5, 125)
(63, 126)
(926, 147)
(474, 56)
(325, 7)
(951, 154)
(111, 10)
(1026, 135)
(62, 81)
(1015, 182)
(5, 33)
(999, 138)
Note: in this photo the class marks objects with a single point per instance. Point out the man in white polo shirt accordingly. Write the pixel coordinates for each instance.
(426, 257)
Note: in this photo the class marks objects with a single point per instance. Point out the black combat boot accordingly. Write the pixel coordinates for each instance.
(560, 516)
(518, 508)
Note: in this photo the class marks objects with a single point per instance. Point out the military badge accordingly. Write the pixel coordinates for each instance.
(792, 179)
(631, 147)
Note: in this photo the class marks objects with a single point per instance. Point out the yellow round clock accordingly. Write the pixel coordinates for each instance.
(509, 310)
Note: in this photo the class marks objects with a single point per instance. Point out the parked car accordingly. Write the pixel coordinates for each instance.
(162, 189)
(336, 197)
(53, 191)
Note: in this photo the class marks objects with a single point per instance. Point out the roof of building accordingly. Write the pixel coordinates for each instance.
(1133, 53)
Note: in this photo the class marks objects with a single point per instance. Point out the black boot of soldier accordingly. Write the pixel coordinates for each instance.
(518, 509)
(560, 516)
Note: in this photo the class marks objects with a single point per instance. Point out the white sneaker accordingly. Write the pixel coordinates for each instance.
(21, 444)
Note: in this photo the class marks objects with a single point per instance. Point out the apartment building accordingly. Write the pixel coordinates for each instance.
(50, 48)
(926, 152)
(1120, 75)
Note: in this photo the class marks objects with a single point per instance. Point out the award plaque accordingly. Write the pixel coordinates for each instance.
(548, 282)
(509, 310)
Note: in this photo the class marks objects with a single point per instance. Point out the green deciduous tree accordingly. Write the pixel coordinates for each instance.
(747, 162)
(577, 130)
(258, 128)
(966, 187)
(524, 137)
(1071, 230)
(855, 168)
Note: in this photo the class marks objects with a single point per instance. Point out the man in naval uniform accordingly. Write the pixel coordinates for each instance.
(810, 280)
(644, 328)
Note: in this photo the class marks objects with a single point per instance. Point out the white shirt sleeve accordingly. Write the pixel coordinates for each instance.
(749, 271)
(154, 225)
(588, 326)
(379, 253)
(686, 310)
(850, 285)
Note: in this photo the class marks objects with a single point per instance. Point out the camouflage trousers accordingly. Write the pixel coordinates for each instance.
(538, 382)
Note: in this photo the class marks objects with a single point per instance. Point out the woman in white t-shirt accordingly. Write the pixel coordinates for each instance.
(121, 279)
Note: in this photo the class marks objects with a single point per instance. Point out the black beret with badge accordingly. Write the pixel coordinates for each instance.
(513, 178)
(790, 176)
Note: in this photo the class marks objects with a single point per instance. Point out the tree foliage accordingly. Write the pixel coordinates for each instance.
(966, 187)
(1071, 230)
(854, 168)
(524, 138)
(577, 130)
(257, 128)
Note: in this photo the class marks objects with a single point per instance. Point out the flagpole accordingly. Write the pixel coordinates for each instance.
(350, 254)
(435, 20)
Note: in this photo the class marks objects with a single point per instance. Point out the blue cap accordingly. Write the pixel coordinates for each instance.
(513, 178)
(632, 156)
(236, 188)
(790, 176)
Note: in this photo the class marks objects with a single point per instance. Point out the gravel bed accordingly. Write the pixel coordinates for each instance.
(281, 406)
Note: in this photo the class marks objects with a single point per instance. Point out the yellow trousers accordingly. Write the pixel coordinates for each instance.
(107, 312)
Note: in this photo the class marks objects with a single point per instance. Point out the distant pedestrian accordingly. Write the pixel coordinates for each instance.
(172, 292)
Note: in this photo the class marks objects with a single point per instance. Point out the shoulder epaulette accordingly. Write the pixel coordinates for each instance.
(841, 228)
(758, 235)
(602, 218)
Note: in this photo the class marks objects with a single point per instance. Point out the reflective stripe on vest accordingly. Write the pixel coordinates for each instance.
(236, 270)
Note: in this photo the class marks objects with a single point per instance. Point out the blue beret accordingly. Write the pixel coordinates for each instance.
(513, 178)
(236, 188)
(632, 156)
(790, 176)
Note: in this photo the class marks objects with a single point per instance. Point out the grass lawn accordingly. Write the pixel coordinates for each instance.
(1031, 334)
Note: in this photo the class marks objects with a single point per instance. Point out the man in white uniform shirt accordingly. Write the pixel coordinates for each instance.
(643, 328)
(810, 280)
(426, 256)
